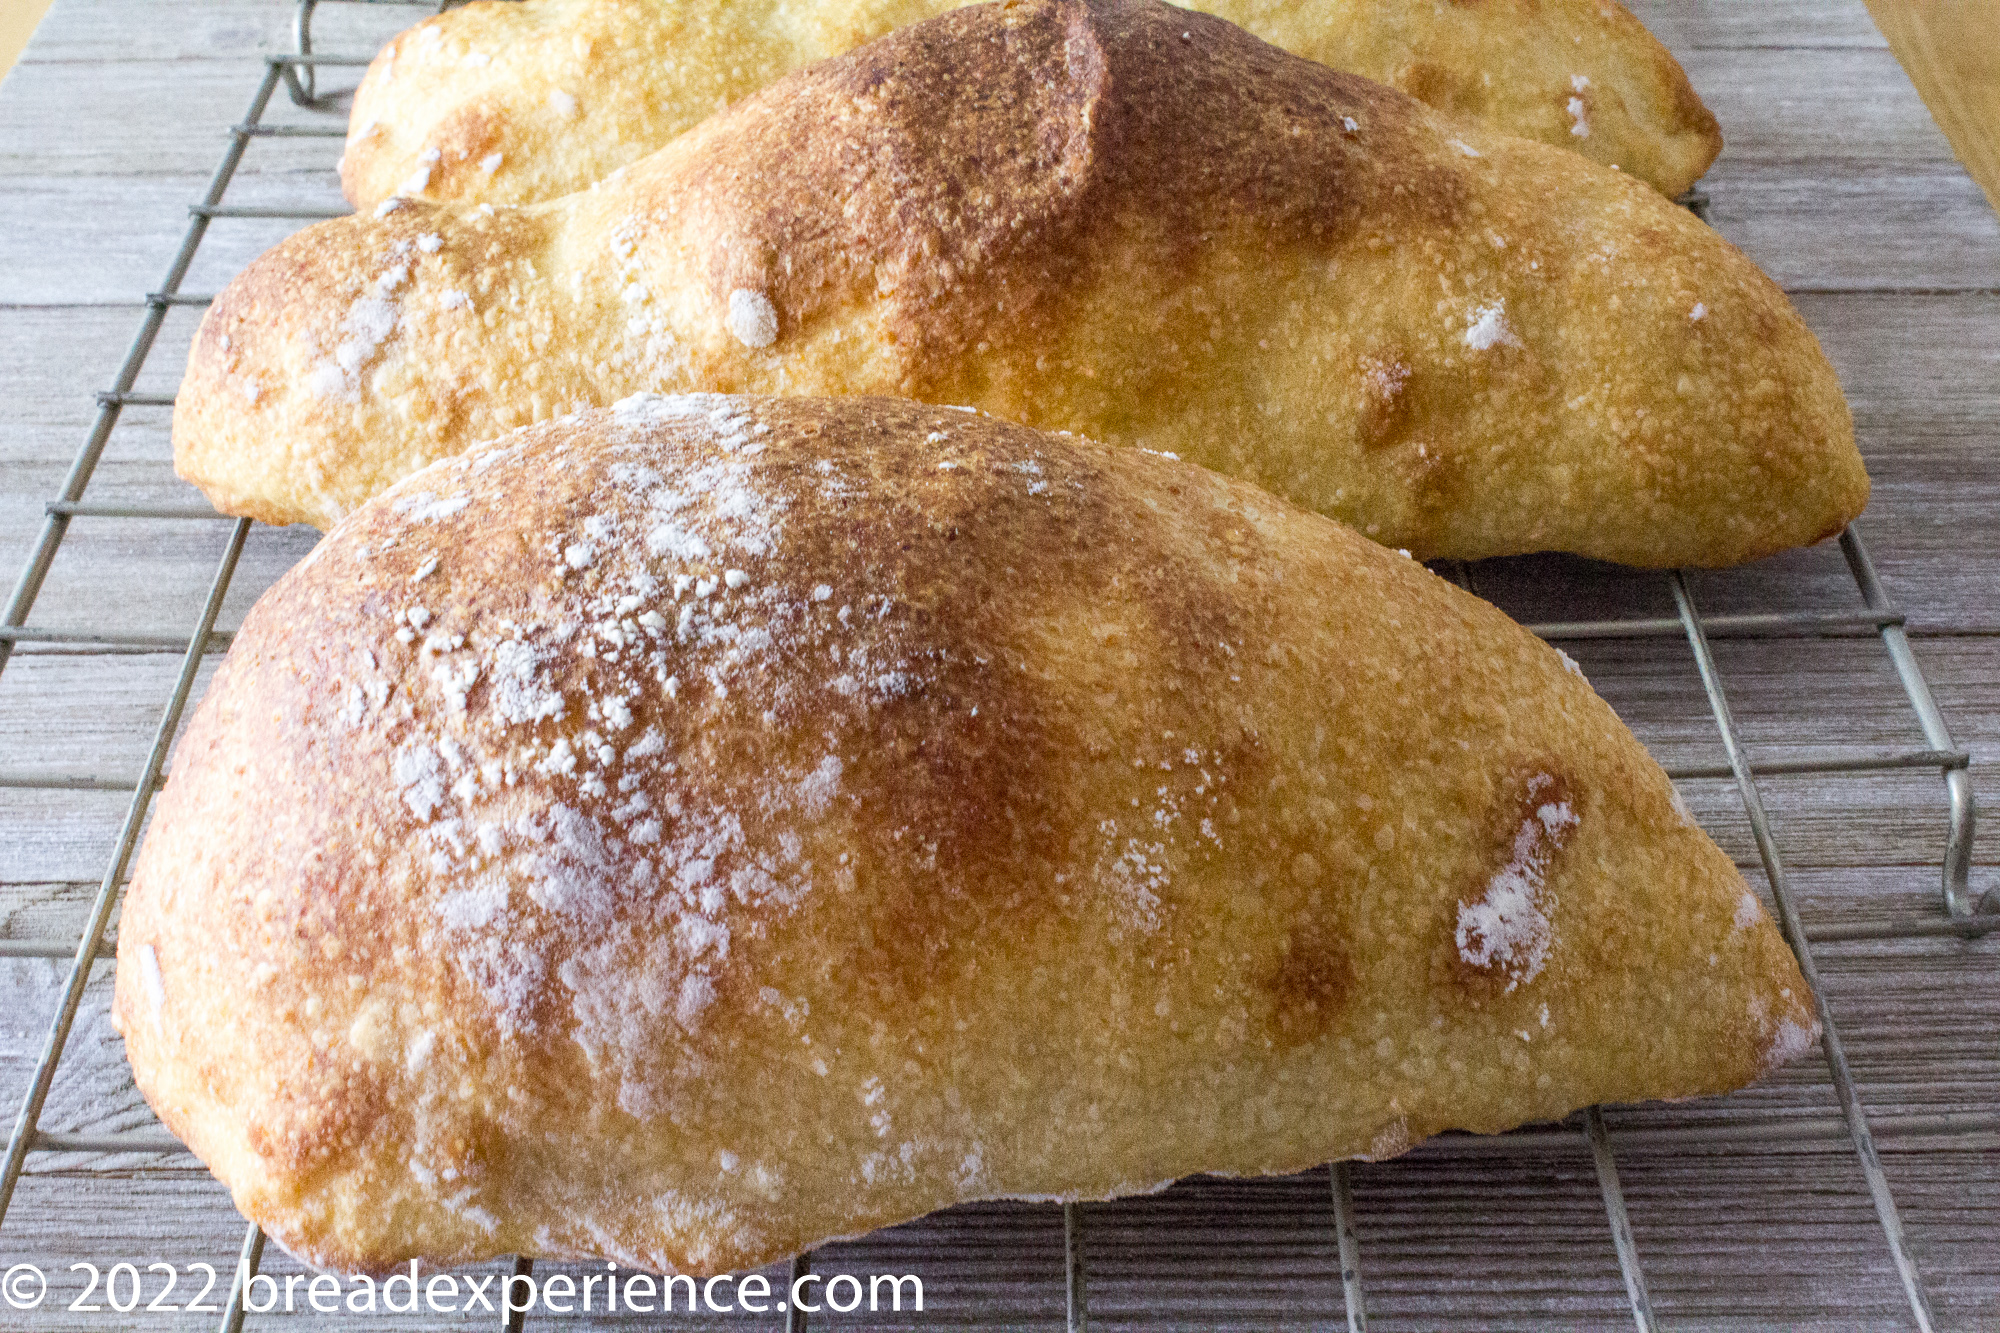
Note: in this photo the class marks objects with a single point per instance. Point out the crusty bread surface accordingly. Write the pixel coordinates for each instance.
(1117, 218)
(519, 102)
(686, 832)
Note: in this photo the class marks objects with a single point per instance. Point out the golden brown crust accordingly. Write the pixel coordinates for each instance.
(519, 102)
(1116, 218)
(686, 832)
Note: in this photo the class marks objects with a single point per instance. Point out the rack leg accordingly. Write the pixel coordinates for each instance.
(511, 1318)
(1957, 782)
(1621, 1224)
(302, 81)
(246, 1268)
(1078, 1298)
(795, 1314)
(1350, 1250)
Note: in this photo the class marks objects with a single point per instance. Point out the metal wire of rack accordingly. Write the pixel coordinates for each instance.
(1958, 915)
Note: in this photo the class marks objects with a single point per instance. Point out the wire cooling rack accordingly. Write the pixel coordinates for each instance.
(1957, 914)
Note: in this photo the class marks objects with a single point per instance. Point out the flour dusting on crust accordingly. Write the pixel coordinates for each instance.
(661, 590)
(1789, 1041)
(656, 593)
(1507, 929)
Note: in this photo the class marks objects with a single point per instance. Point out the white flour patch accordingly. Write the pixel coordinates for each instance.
(1488, 328)
(519, 690)
(371, 320)
(752, 318)
(424, 507)
(1579, 109)
(1788, 1043)
(149, 977)
(473, 908)
(1508, 929)
(419, 776)
(419, 180)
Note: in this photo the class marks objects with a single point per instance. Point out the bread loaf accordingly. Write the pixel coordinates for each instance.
(1116, 218)
(686, 832)
(514, 103)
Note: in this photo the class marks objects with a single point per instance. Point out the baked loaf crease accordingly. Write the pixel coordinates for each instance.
(515, 103)
(687, 832)
(1117, 218)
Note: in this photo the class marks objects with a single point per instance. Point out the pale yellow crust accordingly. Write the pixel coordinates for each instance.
(1117, 218)
(519, 102)
(683, 833)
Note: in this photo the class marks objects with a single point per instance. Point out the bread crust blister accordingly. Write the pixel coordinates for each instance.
(1116, 218)
(686, 832)
(511, 104)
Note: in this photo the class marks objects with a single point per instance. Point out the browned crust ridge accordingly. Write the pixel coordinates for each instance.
(1112, 217)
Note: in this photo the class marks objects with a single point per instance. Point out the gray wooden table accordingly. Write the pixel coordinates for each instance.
(1748, 1212)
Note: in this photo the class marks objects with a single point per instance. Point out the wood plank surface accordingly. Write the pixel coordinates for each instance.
(1835, 179)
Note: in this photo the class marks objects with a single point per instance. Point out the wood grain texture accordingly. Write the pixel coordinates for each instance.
(1835, 179)
(1951, 50)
